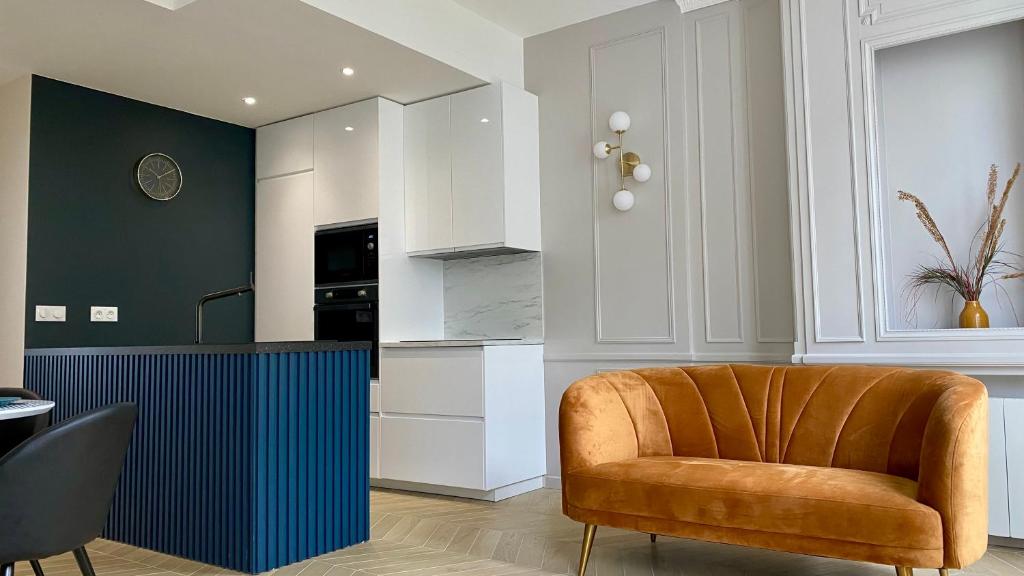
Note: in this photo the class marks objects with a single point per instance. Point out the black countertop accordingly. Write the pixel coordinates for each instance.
(245, 348)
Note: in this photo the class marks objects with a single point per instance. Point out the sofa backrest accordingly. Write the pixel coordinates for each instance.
(859, 417)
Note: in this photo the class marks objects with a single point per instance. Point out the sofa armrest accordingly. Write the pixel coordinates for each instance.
(594, 426)
(953, 477)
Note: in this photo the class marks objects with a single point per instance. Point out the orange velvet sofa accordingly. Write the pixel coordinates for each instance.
(883, 465)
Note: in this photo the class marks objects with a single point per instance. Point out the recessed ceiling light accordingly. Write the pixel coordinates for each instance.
(249, 100)
(484, 120)
(349, 128)
(347, 71)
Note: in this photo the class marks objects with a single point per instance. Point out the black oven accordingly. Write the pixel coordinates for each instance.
(349, 313)
(346, 256)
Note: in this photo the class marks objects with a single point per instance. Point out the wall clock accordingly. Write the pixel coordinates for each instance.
(158, 176)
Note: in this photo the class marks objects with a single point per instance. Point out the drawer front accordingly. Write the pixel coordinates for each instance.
(374, 396)
(431, 451)
(448, 382)
(374, 446)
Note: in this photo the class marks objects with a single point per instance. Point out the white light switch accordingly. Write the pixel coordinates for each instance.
(51, 313)
(103, 314)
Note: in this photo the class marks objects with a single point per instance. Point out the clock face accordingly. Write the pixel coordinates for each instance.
(159, 176)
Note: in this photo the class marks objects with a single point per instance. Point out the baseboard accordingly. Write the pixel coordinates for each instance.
(495, 495)
(1007, 542)
(553, 482)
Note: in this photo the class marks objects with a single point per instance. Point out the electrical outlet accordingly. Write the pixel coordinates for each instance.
(51, 313)
(103, 314)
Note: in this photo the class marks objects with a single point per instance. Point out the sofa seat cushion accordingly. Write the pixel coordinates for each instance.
(831, 503)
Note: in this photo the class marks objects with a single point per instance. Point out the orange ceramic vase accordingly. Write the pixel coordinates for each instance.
(973, 315)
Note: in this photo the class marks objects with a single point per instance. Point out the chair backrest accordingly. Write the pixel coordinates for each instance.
(858, 417)
(56, 488)
(17, 430)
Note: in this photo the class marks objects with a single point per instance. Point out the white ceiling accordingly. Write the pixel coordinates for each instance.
(207, 55)
(530, 17)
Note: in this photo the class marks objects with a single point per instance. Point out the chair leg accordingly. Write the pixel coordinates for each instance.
(904, 571)
(36, 568)
(7, 570)
(588, 542)
(83, 562)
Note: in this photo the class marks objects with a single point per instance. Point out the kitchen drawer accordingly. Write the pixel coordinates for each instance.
(443, 382)
(374, 446)
(432, 451)
(374, 395)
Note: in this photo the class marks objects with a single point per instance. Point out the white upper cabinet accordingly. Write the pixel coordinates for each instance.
(346, 159)
(284, 258)
(473, 173)
(478, 172)
(428, 176)
(284, 148)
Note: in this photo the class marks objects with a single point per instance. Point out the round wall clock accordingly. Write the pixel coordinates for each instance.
(158, 176)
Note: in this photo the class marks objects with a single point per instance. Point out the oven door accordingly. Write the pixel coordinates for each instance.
(346, 256)
(350, 322)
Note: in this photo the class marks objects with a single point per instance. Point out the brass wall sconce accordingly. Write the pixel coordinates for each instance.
(630, 165)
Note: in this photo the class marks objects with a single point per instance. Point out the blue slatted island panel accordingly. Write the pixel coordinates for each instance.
(249, 457)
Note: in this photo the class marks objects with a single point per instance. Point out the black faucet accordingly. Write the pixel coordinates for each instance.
(216, 296)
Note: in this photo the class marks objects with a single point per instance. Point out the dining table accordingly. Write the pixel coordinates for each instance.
(25, 408)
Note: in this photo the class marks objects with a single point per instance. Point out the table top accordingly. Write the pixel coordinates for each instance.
(25, 408)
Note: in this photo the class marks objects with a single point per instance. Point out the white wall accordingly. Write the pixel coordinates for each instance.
(15, 107)
(623, 290)
(950, 107)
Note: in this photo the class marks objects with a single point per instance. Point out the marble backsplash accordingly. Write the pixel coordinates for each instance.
(494, 297)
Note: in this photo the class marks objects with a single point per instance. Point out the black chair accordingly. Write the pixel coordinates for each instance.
(56, 488)
(17, 430)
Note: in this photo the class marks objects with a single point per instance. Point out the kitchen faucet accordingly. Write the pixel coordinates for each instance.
(217, 296)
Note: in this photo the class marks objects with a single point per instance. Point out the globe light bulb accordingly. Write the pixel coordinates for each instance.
(642, 173)
(601, 150)
(623, 200)
(619, 122)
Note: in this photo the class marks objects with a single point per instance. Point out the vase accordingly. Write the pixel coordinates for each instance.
(973, 315)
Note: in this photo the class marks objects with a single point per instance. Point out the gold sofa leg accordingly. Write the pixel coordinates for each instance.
(904, 571)
(654, 538)
(943, 571)
(588, 542)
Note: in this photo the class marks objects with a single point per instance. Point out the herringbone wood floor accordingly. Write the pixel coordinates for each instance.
(417, 535)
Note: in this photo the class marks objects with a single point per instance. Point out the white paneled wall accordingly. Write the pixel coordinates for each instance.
(699, 270)
(920, 95)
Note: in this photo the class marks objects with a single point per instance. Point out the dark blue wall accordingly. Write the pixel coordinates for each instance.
(95, 240)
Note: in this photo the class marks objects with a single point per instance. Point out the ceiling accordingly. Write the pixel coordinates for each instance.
(206, 55)
(530, 17)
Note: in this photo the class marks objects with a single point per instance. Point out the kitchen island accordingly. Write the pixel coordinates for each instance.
(248, 456)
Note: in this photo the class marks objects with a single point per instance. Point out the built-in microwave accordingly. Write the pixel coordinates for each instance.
(346, 256)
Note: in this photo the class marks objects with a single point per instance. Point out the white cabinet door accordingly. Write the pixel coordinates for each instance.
(446, 452)
(346, 177)
(374, 445)
(284, 148)
(1013, 422)
(478, 179)
(998, 494)
(428, 176)
(284, 258)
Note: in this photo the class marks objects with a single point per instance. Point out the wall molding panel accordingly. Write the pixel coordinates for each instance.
(876, 11)
(617, 295)
(850, 221)
(836, 178)
(884, 292)
(714, 66)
